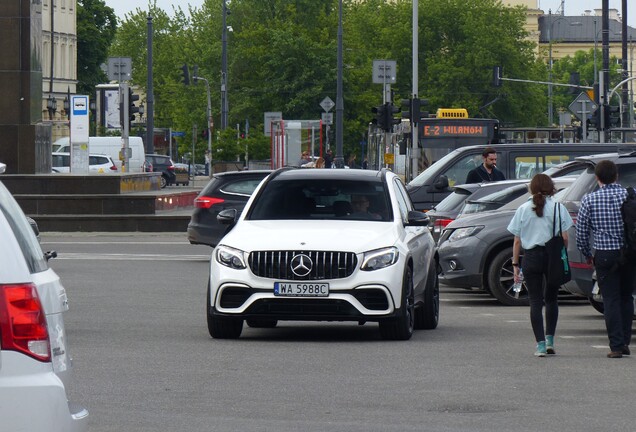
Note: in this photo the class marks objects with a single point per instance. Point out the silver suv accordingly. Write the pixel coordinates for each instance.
(582, 282)
(35, 364)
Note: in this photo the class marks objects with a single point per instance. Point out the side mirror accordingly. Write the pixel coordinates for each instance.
(227, 216)
(441, 183)
(418, 218)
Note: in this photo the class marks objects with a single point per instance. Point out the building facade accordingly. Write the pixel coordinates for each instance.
(59, 62)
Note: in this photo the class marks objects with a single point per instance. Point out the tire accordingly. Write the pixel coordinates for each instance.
(261, 323)
(163, 182)
(597, 305)
(427, 316)
(222, 327)
(500, 280)
(401, 326)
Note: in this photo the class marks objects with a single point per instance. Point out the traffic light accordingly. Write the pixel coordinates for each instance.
(195, 74)
(380, 116)
(496, 76)
(595, 120)
(132, 109)
(185, 75)
(413, 109)
(390, 112)
(575, 80)
(612, 116)
(406, 106)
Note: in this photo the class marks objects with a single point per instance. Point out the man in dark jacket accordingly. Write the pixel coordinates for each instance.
(487, 171)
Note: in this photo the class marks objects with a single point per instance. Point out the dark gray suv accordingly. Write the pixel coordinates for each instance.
(164, 165)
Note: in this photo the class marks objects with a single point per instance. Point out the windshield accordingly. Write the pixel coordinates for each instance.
(315, 199)
(430, 171)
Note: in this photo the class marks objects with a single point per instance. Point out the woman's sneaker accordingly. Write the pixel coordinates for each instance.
(549, 344)
(541, 350)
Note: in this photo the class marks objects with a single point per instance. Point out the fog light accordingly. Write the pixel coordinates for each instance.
(452, 264)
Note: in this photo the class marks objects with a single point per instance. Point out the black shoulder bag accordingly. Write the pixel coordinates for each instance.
(558, 271)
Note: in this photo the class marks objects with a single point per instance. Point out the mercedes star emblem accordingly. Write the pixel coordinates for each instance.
(301, 265)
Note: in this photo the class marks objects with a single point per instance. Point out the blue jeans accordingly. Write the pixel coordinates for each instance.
(534, 265)
(617, 287)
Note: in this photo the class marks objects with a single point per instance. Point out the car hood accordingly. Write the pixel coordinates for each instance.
(488, 218)
(354, 236)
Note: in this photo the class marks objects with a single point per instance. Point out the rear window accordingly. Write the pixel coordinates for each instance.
(23, 232)
(241, 187)
(97, 160)
(453, 201)
(60, 160)
(494, 200)
(586, 182)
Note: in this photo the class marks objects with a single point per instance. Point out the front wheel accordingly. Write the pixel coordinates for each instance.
(401, 327)
(427, 316)
(597, 305)
(221, 327)
(501, 279)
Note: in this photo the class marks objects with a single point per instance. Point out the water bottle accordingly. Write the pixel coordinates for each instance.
(516, 288)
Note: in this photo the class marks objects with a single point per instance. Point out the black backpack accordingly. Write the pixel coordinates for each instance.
(628, 210)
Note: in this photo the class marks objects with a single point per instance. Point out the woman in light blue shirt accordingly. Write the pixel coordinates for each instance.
(532, 228)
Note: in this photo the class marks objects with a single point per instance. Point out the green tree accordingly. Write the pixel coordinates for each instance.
(96, 29)
(582, 62)
(282, 56)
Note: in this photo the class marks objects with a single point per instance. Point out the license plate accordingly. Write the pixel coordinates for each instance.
(301, 289)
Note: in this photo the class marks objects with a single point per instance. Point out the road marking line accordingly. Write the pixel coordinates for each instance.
(131, 257)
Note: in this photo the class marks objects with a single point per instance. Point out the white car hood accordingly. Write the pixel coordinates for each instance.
(328, 235)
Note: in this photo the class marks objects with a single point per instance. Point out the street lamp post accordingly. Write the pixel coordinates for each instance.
(550, 117)
(207, 88)
(51, 106)
(550, 25)
(224, 104)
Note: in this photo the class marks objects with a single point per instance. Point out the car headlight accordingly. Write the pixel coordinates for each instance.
(230, 257)
(461, 233)
(379, 258)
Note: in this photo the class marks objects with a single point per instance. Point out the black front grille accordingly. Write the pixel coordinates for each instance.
(325, 265)
(304, 309)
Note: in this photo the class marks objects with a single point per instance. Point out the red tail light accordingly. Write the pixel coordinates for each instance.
(440, 224)
(22, 322)
(113, 167)
(573, 215)
(170, 167)
(207, 202)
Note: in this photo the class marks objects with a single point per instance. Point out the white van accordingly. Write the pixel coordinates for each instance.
(111, 146)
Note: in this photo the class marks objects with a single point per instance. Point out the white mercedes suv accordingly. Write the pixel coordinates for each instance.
(325, 245)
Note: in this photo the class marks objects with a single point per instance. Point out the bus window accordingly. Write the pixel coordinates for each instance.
(527, 166)
(459, 171)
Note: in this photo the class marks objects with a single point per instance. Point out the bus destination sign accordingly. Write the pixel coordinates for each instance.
(454, 129)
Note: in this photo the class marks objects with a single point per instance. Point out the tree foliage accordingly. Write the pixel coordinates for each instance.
(96, 29)
(282, 56)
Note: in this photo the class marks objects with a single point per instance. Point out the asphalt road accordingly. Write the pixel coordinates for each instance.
(144, 360)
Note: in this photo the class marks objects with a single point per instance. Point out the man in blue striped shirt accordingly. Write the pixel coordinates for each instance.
(600, 214)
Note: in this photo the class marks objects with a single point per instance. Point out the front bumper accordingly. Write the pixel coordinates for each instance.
(363, 296)
(460, 262)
